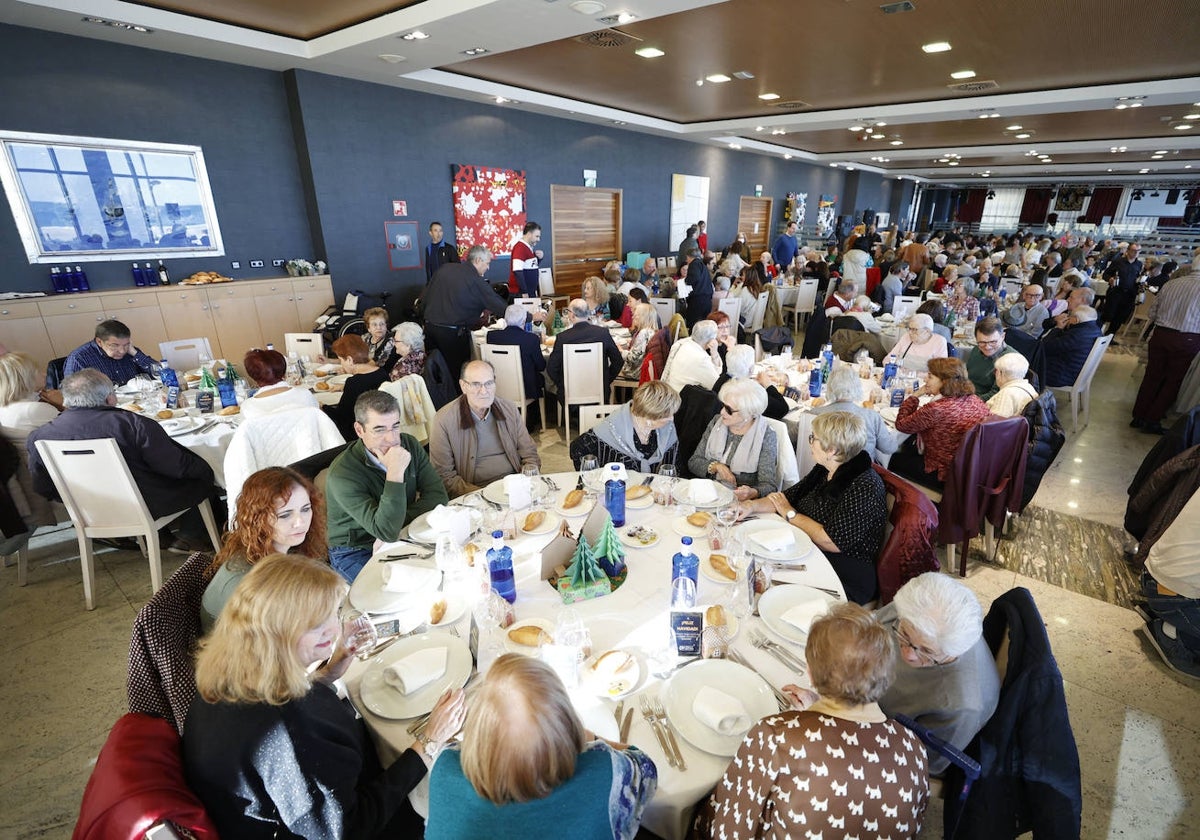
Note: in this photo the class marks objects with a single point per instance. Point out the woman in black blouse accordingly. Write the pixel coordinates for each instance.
(840, 505)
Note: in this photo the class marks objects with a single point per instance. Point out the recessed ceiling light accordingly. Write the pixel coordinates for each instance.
(1135, 104)
(391, 59)
(1183, 126)
(778, 131)
(476, 51)
(717, 78)
(936, 47)
(880, 124)
(1143, 171)
(856, 127)
(952, 163)
(943, 160)
(983, 116)
(897, 142)
(734, 146)
(588, 7)
(1163, 152)
(834, 165)
(1187, 166)
(626, 17)
(500, 100)
(758, 128)
(1156, 157)
(618, 122)
(415, 35)
(1191, 116)
(849, 168)
(1047, 160)
(1108, 170)
(768, 96)
(876, 136)
(1013, 127)
(963, 74)
(743, 75)
(994, 116)
(1023, 135)
(649, 52)
(787, 157)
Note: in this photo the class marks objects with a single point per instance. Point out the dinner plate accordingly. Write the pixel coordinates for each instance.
(616, 685)
(681, 526)
(732, 623)
(456, 605)
(177, 426)
(777, 600)
(800, 548)
(367, 592)
(594, 480)
(527, 650)
(683, 494)
(133, 387)
(736, 680)
(889, 414)
(582, 509)
(706, 569)
(419, 530)
(633, 542)
(496, 493)
(386, 701)
(549, 524)
(643, 503)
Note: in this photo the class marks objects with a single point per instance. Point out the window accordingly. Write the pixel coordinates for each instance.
(84, 199)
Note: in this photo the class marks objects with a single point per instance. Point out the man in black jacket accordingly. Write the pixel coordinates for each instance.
(455, 300)
(169, 476)
(438, 252)
(582, 332)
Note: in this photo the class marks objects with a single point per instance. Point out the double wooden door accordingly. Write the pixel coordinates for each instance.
(585, 234)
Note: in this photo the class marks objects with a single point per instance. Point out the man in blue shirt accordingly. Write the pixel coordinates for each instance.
(786, 247)
(112, 353)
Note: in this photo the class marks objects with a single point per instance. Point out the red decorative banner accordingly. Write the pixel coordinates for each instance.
(489, 207)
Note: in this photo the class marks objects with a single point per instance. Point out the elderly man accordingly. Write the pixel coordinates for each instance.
(689, 242)
(455, 300)
(582, 332)
(1175, 314)
(170, 477)
(1081, 296)
(946, 678)
(1013, 391)
(694, 360)
(892, 286)
(479, 437)
(379, 484)
(989, 346)
(1025, 318)
(1062, 353)
(533, 362)
(649, 275)
(112, 353)
(840, 301)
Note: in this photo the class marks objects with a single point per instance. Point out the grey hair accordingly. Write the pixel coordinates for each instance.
(1013, 365)
(847, 286)
(579, 308)
(87, 388)
(479, 253)
(740, 361)
(1088, 294)
(943, 610)
(704, 332)
(844, 384)
(515, 315)
(746, 395)
(921, 321)
(411, 334)
(381, 402)
(1085, 313)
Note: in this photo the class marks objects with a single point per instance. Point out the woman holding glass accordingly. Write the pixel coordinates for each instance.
(640, 435)
(739, 448)
(269, 747)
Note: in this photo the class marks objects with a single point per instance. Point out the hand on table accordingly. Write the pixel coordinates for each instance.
(722, 474)
(780, 503)
(447, 716)
(801, 698)
(745, 493)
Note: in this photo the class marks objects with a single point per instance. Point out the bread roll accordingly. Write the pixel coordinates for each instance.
(573, 499)
(470, 550)
(318, 372)
(637, 491)
(230, 410)
(700, 519)
(720, 564)
(534, 520)
(192, 377)
(530, 635)
(132, 407)
(818, 402)
(321, 386)
(165, 414)
(437, 611)
(714, 616)
(611, 663)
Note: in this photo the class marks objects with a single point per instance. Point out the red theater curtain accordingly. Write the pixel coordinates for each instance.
(1104, 203)
(1035, 206)
(970, 212)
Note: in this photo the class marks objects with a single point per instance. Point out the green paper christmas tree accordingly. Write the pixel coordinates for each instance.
(610, 554)
(584, 578)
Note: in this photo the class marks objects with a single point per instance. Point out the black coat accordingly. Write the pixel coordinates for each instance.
(699, 302)
(532, 360)
(697, 407)
(582, 332)
(1061, 353)
(1046, 438)
(1027, 750)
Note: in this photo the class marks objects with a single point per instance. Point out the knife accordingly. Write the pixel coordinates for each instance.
(647, 480)
(625, 724)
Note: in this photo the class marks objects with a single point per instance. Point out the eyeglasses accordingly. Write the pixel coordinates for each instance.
(995, 342)
(728, 409)
(924, 653)
(479, 386)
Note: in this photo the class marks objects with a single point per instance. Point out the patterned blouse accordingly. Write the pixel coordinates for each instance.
(637, 352)
(940, 427)
(808, 775)
(381, 351)
(408, 365)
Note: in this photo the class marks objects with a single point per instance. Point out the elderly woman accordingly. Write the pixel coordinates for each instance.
(24, 407)
(861, 310)
(528, 767)
(936, 311)
(840, 504)
(739, 366)
(964, 306)
(267, 368)
(364, 375)
(740, 247)
(1015, 392)
(380, 345)
(269, 747)
(645, 325)
(939, 425)
(920, 344)
(727, 335)
(409, 341)
(822, 763)
(765, 268)
(844, 392)
(694, 360)
(278, 511)
(640, 435)
(946, 677)
(595, 292)
(739, 448)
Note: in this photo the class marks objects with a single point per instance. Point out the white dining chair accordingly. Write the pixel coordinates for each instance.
(806, 301)
(788, 466)
(755, 321)
(804, 457)
(1081, 389)
(583, 378)
(904, 306)
(186, 353)
(103, 500)
(731, 307)
(505, 360)
(546, 281)
(305, 345)
(591, 415)
(661, 264)
(665, 307)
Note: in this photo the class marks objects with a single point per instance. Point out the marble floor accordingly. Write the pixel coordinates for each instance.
(1137, 725)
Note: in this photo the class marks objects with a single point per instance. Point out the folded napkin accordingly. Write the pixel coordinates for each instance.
(417, 670)
(717, 710)
(399, 577)
(519, 490)
(702, 491)
(452, 520)
(776, 539)
(804, 614)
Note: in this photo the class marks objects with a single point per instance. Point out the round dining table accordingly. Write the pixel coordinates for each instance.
(634, 618)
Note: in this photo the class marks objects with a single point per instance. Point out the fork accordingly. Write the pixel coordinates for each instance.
(550, 482)
(780, 697)
(778, 651)
(660, 715)
(648, 714)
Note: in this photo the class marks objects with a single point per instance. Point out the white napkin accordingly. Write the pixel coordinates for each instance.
(455, 521)
(416, 670)
(804, 614)
(398, 577)
(702, 491)
(519, 490)
(776, 539)
(717, 710)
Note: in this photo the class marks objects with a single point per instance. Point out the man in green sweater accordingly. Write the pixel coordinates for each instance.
(383, 481)
(981, 361)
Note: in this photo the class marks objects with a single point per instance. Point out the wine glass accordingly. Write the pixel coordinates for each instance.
(532, 472)
(359, 633)
(663, 655)
(667, 477)
(588, 465)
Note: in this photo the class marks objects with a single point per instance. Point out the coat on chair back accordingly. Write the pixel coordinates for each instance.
(1046, 438)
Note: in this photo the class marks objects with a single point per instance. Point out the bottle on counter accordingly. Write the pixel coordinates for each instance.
(58, 281)
(164, 276)
(500, 568)
(81, 278)
(139, 276)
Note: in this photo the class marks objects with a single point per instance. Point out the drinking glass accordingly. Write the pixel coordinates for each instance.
(665, 487)
(359, 633)
(587, 469)
(531, 472)
(663, 655)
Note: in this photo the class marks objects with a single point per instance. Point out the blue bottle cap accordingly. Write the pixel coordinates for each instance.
(686, 540)
(614, 467)
(497, 534)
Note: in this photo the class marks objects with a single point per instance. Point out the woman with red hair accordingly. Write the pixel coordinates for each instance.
(267, 368)
(279, 511)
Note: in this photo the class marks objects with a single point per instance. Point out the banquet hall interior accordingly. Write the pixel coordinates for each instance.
(316, 119)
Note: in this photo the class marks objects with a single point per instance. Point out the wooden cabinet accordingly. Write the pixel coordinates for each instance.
(23, 329)
(313, 296)
(139, 312)
(71, 321)
(186, 314)
(235, 319)
(276, 305)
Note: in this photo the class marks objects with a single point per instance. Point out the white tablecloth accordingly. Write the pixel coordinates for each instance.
(634, 617)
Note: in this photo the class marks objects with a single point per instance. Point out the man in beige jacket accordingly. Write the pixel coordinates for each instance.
(479, 438)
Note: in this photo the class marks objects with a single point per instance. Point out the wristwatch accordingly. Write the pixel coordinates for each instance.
(790, 515)
(428, 746)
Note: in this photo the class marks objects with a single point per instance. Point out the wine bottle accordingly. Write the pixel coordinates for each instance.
(58, 281)
(164, 276)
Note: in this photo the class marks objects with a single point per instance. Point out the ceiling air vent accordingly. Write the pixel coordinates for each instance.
(791, 105)
(974, 87)
(607, 38)
(893, 8)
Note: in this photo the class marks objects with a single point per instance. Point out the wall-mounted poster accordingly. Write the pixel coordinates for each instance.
(403, 251)
(826, 214)
(1070, 199)
(795, 207)
(489, 207)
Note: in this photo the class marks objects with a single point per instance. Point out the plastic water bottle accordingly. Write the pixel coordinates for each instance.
(139, 277)
(500, 568)
(889, 371)
(814, 383)
(614, 496)
(684, 565)
(59, 281)
(81, 279)
(226, 390)
(167, 375)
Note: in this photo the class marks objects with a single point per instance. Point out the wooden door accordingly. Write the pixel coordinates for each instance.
(754, 218)
(585, 234)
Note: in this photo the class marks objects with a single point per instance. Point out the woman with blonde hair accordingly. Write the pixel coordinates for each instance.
(645, 325)
(269, 747)
(596, 293)
(25, 406)
(864, 775)
(640, 434)
(528, 767)
(278, 511)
